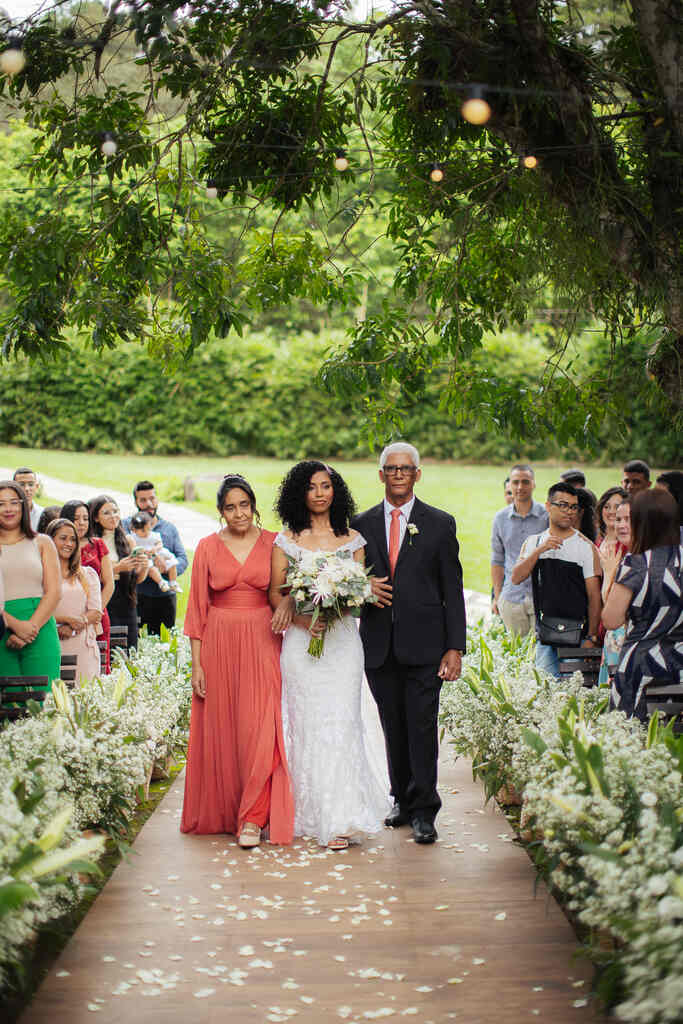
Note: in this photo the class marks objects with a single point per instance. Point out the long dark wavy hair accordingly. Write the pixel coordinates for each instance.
(230, 481)
(25, 524)
(74, 563)
(291, 500)
(69, 509)
(604, 498)
(120, 543)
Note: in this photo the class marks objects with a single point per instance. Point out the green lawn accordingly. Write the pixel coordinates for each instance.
(471, 493)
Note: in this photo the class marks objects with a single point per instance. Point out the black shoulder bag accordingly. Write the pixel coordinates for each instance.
(560, 602)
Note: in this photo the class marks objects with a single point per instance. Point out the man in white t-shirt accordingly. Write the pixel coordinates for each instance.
(561, 541)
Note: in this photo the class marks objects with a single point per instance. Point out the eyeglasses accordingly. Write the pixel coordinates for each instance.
(565, 506)
(405, 470)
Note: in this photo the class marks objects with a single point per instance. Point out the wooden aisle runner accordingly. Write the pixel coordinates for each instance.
(193, 929)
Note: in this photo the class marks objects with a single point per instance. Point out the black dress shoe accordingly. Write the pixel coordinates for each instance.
(423, 831)
(395, 818)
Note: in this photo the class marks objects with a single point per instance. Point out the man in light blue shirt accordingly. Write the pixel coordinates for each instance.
(511, 527)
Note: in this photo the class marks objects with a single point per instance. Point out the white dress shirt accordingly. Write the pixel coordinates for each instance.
(405, 511)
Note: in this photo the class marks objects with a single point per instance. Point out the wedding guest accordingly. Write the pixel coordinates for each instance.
(587, 522)
(574, 476)
(237, 778)
(156, 605)
(608, 544)
(143, 536)
(29, 481)
(30, 571)
(105, 520)
(46, 516)
(79, 611)
(507, 491)
(672, 481)
(95, 554)
(636, 477)
(613, 639)
(653, 645)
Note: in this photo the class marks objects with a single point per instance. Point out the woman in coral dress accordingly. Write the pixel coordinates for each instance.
(237, 779)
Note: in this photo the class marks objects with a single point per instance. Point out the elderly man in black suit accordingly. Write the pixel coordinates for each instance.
(414, 638)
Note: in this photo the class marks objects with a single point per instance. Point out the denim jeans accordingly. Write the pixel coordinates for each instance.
(547, 660)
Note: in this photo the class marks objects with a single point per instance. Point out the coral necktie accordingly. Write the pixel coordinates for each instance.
(394, 538)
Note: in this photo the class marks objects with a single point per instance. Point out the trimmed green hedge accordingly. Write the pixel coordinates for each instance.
(258, 395)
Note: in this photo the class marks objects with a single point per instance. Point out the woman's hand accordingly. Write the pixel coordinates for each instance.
(14, 643)
(64, 631)
(198, 681)
(127, 564)
(26, 631)
(283, 615)
(316, 628)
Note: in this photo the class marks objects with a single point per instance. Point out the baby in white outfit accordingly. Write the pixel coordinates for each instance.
(149, 541)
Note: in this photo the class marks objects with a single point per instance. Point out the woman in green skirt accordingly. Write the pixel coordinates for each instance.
(32, 585)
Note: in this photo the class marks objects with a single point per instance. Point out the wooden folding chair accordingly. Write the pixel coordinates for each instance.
(585, 660)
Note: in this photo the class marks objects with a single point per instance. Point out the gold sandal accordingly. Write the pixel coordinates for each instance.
(338, 843)
(250, 835)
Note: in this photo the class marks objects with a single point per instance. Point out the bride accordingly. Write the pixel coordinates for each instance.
(339, 792)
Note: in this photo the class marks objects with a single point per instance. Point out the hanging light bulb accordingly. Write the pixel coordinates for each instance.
(436, 173)
(530, 162)
(341, 161)
(475, 109)
(109, 144)
(211, 190)
(12, 61)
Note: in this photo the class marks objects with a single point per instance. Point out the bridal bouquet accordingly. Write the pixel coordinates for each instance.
(326, 586)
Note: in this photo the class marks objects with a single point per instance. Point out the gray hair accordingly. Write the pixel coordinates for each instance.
(400, 446)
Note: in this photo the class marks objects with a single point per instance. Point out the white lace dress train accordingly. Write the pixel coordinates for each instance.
(334, 748)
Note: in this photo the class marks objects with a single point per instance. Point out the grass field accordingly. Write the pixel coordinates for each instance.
(472, 493)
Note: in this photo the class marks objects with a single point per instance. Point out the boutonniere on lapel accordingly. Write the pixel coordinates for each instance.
(412, 532)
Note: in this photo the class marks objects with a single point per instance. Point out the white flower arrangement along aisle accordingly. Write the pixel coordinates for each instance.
(81, 763)
(603, 797)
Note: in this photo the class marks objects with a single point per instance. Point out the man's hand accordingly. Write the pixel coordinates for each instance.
(381, 590)
(160, 563)
(494, 607)
(451, 666)
(549, 544)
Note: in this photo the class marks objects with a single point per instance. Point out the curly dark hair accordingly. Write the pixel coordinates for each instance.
(291, 500)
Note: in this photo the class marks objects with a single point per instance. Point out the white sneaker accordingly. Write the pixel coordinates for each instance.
(164, 586)
(176, 587)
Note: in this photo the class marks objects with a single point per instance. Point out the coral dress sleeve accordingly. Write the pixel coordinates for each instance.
(198, 602)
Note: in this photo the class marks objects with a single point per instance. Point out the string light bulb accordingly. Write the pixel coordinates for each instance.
(109, 144)
(475, 109)
(211, 190)
(12, 61)
(436, 173)
(530, 162)
(341, 161)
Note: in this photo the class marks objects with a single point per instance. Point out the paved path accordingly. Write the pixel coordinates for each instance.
(193, 929)
(192, 525)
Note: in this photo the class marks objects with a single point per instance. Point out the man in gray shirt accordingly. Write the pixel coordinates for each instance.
(511, 527)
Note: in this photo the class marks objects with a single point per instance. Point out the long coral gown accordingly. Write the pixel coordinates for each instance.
(236, 763)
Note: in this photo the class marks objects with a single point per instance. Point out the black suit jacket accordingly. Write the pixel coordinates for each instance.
(427, 616)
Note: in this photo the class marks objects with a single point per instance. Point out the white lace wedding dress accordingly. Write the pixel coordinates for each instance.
(333, 739)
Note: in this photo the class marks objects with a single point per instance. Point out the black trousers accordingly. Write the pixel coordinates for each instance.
(407, 698)
(155, 610)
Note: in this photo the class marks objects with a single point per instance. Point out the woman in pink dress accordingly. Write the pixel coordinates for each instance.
(94, 552)
(237, 779)
(79, 612)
